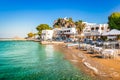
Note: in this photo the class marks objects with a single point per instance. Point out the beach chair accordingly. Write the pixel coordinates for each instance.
(89, 49)
(109, 53)
(98, 50)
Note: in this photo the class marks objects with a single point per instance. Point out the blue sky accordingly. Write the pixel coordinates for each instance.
(19, 17)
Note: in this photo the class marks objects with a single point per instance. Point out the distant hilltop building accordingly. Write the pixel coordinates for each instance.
(66, 19)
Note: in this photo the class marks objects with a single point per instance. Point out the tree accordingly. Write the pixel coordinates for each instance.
(56, 26)
(42, 27)
(79, 26)
(114, 20)
(30, 35)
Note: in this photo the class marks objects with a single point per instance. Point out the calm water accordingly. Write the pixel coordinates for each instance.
(23, 60)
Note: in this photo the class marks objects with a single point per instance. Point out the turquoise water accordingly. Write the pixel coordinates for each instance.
(25, 60)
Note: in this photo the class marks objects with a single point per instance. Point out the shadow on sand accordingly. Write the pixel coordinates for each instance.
(96, 56)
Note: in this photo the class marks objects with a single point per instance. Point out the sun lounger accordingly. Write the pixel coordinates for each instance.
(72, 44)
(110, 53)
(98, 49)
(89, 49)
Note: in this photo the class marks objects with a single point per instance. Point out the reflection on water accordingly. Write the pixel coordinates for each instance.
(49, 51)
(23, 60)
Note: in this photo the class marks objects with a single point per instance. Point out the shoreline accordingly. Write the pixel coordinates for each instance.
(12, 39)
(51, 42)
(91, 64)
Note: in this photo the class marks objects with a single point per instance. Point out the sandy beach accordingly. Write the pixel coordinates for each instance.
(92, 64)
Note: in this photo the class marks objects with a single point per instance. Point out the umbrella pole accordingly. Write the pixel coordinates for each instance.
(79, 43)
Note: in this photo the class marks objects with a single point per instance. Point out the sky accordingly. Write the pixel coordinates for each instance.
(19, 17)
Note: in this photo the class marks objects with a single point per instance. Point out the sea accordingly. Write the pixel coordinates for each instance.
(28, 60)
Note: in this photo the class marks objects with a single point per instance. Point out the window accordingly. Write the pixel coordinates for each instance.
(102, 28)
(92, 28)
(108, 27)
(68, 27)
(97, 28)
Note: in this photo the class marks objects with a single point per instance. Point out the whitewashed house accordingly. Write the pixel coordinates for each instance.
(47, 34)
(64, 32)
(93, 29)
(87, 29)
(68, 31)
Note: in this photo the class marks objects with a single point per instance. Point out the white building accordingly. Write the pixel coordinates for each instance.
(47, 34)
(93, 29)
(64, 32)
(103, 28)
(87, 29)
(68, 31)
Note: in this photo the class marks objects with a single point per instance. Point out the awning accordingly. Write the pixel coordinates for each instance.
(112, 32)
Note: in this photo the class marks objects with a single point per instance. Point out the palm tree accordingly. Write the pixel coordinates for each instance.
(80, 26)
